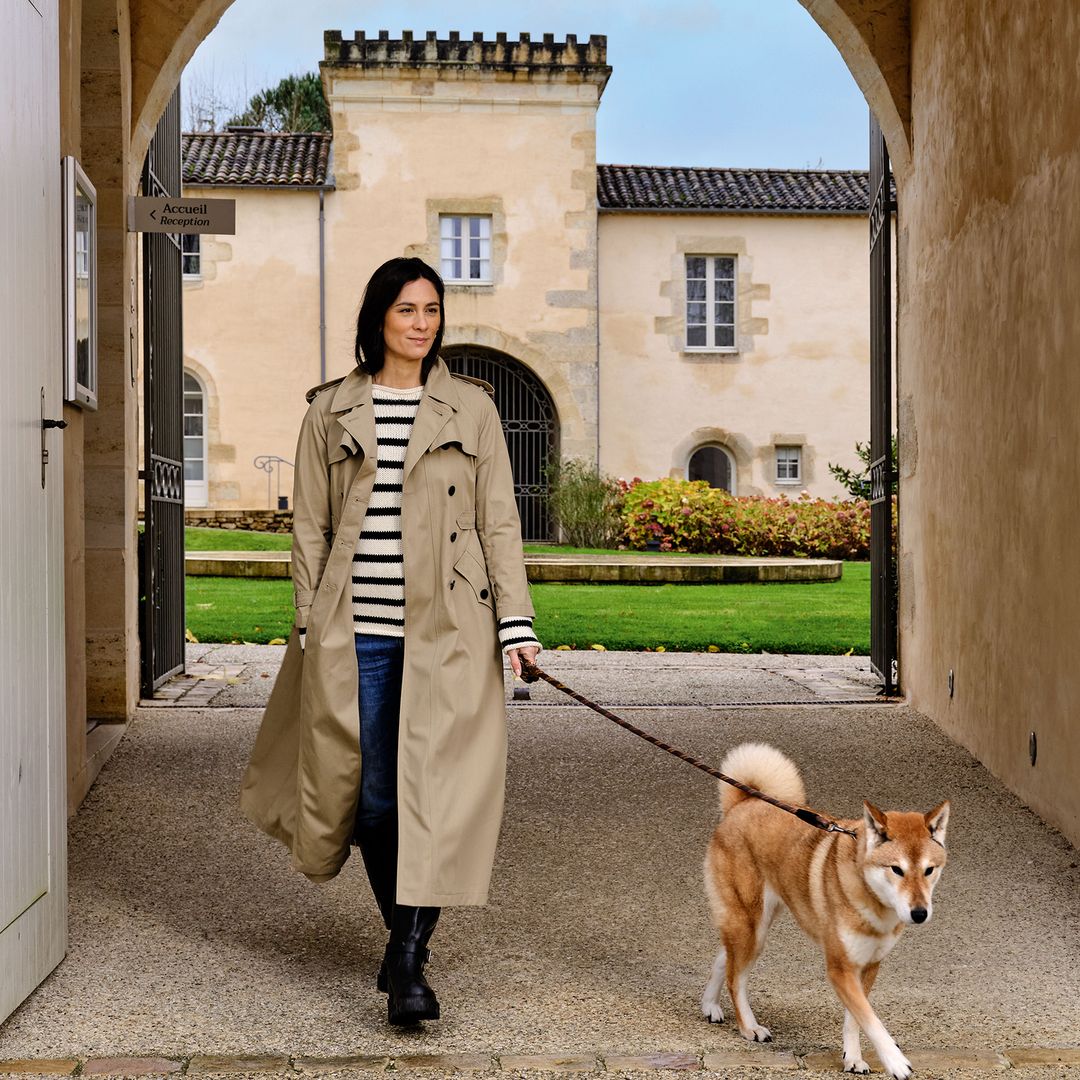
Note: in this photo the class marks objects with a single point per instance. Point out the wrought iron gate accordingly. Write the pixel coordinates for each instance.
(162, 550)
(882, 467)
(529, 423)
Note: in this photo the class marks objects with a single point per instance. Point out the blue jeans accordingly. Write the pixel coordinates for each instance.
(379, 661)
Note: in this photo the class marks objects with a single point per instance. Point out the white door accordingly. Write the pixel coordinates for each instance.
(33, 818)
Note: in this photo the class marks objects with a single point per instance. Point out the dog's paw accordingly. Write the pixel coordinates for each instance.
(857, 1066)
(757, 1033)
(896, 1065)
(712, 1012)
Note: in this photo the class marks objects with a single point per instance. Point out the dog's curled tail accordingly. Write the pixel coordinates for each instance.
(764, 767)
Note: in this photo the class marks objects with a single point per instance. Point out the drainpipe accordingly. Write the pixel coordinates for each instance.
(322, 287)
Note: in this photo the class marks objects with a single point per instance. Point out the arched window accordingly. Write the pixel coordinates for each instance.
(196, 489)
(714, 465)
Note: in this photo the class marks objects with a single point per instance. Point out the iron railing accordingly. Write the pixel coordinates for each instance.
(271, 465)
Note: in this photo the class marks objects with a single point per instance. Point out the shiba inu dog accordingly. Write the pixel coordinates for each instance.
(853, 896)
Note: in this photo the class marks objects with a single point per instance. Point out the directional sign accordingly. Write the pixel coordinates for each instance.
(181, 215)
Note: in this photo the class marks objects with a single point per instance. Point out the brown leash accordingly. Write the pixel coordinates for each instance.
(530, 673)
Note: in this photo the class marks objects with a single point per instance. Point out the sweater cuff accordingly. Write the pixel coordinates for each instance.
(516, 632)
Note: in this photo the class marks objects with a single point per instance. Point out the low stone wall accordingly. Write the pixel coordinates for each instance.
(271, 521)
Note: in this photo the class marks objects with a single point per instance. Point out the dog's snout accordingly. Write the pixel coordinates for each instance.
(918, 914)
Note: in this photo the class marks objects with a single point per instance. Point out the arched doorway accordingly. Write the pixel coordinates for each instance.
(714, 465)
(530, 424)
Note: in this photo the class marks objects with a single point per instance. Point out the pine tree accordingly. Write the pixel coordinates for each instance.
(295, 104)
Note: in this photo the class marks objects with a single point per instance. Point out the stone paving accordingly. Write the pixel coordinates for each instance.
(195, 950)
(242, 675)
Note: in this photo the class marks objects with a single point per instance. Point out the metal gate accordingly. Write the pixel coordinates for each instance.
(529, 422)
(162, 550)
(882, 467)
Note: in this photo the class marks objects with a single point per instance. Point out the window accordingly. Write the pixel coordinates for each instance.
(710, 302)
(789, 464)
(712, 464)
(195, 485)
(465, 248)
(192, 255)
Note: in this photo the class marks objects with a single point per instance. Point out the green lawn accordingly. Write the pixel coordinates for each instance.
(832, 617)
(235, 540)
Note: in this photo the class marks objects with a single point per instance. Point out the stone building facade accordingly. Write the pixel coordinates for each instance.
(581, 294)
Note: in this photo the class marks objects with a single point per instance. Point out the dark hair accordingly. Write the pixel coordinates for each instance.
(379, 295)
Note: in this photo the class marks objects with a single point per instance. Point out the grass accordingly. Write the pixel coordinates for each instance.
(235, 540)
(825, 618)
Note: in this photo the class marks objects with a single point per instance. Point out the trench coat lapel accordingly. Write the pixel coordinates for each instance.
(437, 407)
(353, 411)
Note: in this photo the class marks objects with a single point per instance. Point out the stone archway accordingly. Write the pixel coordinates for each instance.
(530, 423)
(873, 39)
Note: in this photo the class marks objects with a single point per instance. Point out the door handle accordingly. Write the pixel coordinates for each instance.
(45, 425)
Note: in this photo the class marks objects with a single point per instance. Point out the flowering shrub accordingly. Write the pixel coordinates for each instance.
(688, 515)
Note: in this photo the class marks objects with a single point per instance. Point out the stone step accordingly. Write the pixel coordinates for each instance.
(624, 569)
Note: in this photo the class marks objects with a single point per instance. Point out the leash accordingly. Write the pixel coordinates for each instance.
(530, 672)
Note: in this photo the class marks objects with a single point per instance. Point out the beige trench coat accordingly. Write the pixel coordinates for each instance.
(464, 568)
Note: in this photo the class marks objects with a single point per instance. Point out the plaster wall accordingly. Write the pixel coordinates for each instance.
(800, 375)
(251, 336)
(404, 153)
(990, 428)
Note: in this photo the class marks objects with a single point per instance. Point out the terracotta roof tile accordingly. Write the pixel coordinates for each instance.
(256, 158)
(653, 187)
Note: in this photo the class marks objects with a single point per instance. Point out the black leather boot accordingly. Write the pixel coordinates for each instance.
(378, 846)
(411, 999)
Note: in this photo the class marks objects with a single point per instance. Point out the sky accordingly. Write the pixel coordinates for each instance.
(739, 83)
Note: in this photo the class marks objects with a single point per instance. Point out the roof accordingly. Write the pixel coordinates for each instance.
(747, 191)
(253, 158)
(256, 158)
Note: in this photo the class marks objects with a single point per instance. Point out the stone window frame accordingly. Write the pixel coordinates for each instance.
(431, 250)
(748, 292)
(784, 441)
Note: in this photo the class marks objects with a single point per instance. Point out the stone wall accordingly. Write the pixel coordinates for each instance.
(989, 382)
(271, 521)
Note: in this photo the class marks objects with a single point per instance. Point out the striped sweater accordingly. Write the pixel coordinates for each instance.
(378, 571)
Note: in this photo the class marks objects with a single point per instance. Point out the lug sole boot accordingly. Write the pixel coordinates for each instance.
(410, 999)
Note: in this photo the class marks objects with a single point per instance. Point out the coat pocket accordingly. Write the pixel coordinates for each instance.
(473, 570)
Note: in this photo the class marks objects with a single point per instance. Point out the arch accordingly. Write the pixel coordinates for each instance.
(874, 41)
(715, 464)
(738, 448)
(530, 423)
(196, 457)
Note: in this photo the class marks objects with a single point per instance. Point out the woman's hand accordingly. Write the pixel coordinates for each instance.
(517, 655)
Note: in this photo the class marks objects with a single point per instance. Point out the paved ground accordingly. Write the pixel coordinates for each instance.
(191, 938)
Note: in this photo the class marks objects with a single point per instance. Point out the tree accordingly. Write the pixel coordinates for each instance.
(858, 483)
(295, 104)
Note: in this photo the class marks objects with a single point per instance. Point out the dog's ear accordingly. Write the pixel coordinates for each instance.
(937, 821)
(876, 831)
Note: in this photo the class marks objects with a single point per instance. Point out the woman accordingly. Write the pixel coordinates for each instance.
(408, 575)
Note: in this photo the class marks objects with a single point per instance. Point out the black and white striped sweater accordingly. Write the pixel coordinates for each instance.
(378, 572)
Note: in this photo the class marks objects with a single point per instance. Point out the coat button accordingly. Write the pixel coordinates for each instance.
(451, 489)
(483, 594)
(451, 584)
(453, 537)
